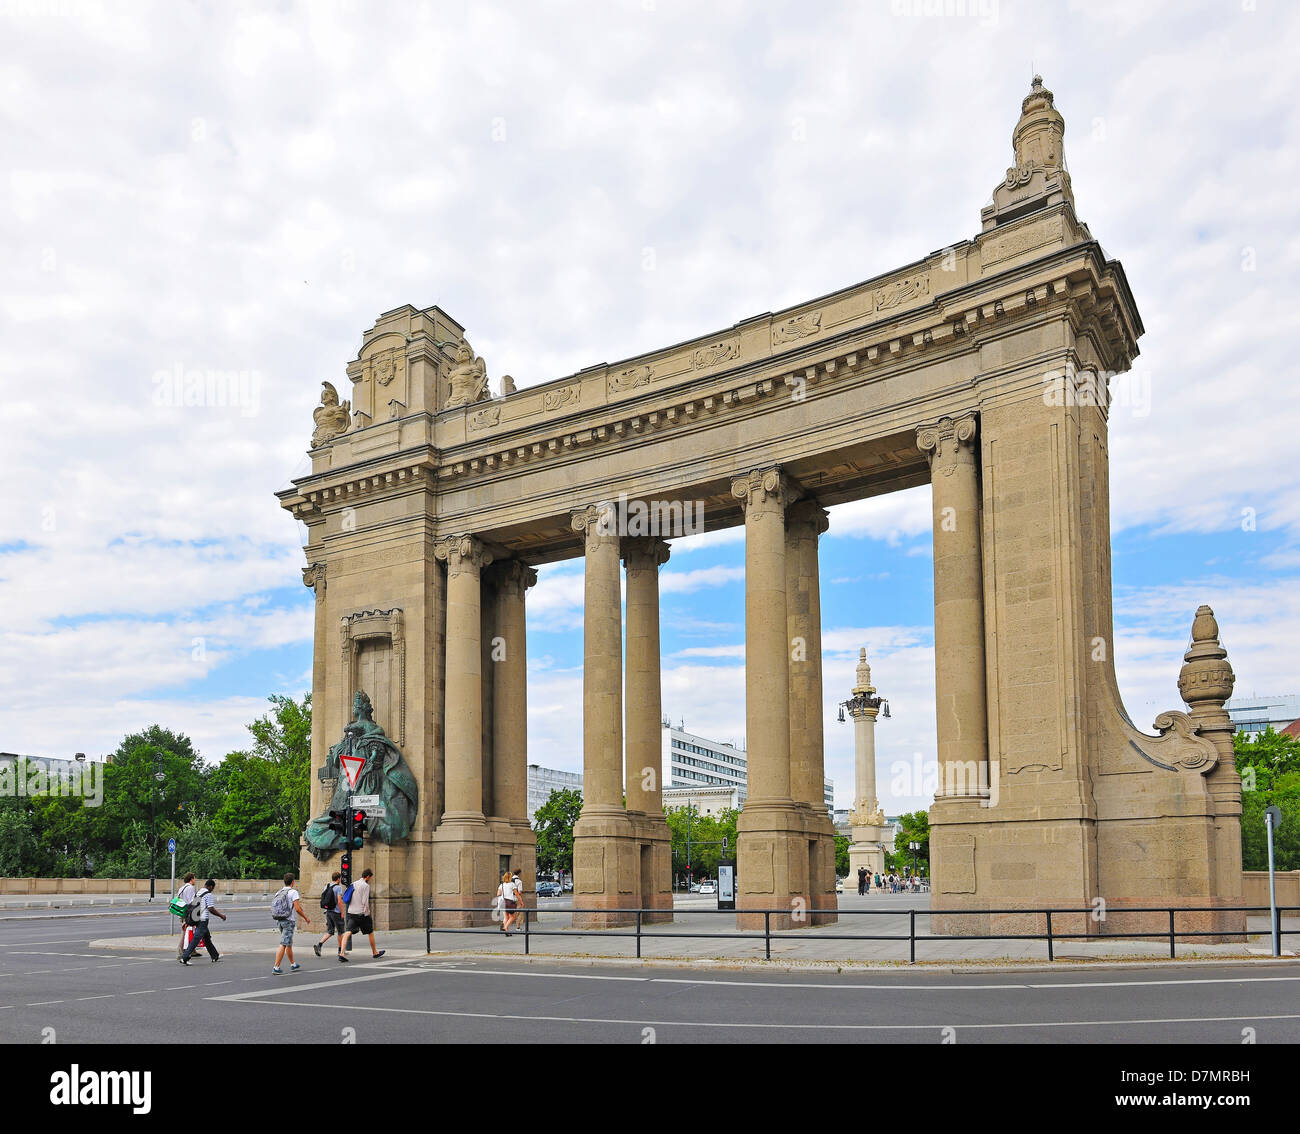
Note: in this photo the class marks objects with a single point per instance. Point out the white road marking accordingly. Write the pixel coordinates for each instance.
(105, 996)
(258, 993)
(640, 1023)
(141, 992)
(42, 1003)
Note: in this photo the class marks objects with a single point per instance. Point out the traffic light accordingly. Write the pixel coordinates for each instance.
(338, 822)
(358, 835)
(345, 870)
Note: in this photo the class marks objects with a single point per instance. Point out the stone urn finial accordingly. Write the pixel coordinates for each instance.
(1206, 679)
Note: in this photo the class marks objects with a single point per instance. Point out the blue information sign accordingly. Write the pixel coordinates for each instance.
(171, 846)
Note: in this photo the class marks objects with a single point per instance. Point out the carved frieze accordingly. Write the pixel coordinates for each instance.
(564, 396)
(717, 352)
(796, 327)
(360, 626)
(1024, 239)
(901, 291)
(631, 378)
(485, 418)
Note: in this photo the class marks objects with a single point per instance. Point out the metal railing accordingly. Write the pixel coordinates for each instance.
(636, 926)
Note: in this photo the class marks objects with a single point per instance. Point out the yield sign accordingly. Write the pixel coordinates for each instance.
(352, 766)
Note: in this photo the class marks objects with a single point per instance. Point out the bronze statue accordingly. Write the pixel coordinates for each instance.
(384, 774)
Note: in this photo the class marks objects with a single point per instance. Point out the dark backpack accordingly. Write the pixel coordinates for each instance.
(328, 899)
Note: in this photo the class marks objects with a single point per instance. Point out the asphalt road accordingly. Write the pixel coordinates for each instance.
(51, 979)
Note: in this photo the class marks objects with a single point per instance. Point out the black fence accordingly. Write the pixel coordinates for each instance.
(640, 931)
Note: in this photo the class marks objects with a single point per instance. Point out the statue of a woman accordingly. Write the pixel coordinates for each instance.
(468, 377)
(384, 774)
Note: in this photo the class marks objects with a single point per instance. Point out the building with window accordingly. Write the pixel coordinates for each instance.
(695, 762)
(543, 781)
(1252, 715)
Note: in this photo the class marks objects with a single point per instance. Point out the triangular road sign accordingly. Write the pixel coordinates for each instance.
(352, 766)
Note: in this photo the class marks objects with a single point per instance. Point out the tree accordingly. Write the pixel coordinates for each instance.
(553, 824)
(1270, 776)
(842, 856)
(914, 827)
(707, 835)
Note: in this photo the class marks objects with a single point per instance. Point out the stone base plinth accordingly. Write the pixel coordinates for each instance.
(772, 862)
(622, 862)
(822, 899)
(468, 860)
(866, 850)
(399, 885)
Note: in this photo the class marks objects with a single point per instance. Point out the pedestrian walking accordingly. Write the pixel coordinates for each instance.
(286, 909)
(359, 919)
(203, 931)
(185, 896)
(331, 902)
(509, 901)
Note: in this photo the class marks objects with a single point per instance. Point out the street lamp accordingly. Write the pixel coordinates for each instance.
(158, 777)
(914, 847)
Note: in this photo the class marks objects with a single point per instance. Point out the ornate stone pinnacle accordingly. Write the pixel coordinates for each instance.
(864, 674)
(1206, 678)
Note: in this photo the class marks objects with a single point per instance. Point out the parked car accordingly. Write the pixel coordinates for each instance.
(568, 885)
(549, 889)
(708, 886)
(695, 887)
(839, 885)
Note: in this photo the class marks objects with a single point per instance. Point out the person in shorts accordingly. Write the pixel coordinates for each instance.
(336, 917)
(287, 925)
(359, 919)
(186, 895)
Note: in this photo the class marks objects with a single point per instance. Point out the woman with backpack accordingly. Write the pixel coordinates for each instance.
(180, 906)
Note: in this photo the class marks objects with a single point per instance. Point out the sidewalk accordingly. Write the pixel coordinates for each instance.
(820, 946)
(70, 901)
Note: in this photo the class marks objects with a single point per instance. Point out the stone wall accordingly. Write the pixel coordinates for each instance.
(121, 886)
(1254, 887)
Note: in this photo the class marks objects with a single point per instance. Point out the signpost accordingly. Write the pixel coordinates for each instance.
(171, 850)
(1272, 817)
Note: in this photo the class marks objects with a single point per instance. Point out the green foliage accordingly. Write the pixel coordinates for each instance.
(239, 818)
(842, 857)
(914, 828)
(553, 824)
(707, 833)
(1270, 775)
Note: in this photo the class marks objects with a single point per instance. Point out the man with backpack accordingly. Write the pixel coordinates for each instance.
(357, 898)
(286, 908)
(331, 902)
(204, 907)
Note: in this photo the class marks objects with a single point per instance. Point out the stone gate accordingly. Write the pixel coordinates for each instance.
(983, 369)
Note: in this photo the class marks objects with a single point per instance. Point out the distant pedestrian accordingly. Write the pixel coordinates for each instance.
(286, 909)
(519, 895)
(862, 881)
(509, 900)
(203, 931)
(359, 919)
(184, 895)
(331, 902)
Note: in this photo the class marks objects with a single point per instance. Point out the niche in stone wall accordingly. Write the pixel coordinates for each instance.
(374, 660)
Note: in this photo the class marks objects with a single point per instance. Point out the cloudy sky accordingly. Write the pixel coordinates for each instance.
(244, 187)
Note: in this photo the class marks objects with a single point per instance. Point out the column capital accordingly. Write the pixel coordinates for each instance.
(645, 552)
(514, 576)
(461, 553)
(597, 522)
(758, 487)
(942, 440)
(313, 575)
(807, 511)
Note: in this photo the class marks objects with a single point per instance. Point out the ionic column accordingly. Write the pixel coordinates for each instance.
(314, 576)
(644, 709)
(763, 495)
(602, 673)
(959, 676)
(465, 557)
(510, 692)
(804, 522)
